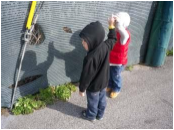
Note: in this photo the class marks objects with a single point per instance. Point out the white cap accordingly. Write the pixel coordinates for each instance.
(123, 18)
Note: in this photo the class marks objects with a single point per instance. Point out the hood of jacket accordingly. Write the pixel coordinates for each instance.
(93, 34)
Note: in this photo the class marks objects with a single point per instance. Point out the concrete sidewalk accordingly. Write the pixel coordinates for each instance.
(146, 101)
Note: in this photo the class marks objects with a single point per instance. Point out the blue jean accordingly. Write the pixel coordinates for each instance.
(115, 79)
(96, 104)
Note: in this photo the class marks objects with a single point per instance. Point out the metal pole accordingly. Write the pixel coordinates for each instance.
(16, 84)
(27, 37)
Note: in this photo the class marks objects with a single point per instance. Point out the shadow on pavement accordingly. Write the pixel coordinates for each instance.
(67, 108)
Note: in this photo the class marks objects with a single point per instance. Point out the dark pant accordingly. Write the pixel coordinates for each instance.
(96, 104)
(115, 80)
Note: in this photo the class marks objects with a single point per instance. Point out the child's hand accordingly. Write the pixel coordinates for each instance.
(116, 18)
(111, 21)
(82, 94)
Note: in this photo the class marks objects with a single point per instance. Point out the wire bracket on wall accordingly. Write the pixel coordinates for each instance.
(37, 36)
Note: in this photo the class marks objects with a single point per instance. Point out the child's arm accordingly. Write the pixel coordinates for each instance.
(124, 34)
(110, 42)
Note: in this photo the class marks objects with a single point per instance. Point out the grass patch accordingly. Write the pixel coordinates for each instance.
(49, 95)
(27, 105)
(129, 68)
(169, 52)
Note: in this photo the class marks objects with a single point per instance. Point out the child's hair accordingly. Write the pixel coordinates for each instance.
(123, 18)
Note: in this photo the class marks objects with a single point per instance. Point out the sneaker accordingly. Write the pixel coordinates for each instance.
(84, 116)
(108, 89)
(99, 118)
(114, 94)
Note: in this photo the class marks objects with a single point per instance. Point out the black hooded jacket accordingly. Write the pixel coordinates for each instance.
(95, 73)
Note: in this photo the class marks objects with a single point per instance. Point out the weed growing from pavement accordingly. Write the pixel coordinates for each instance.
(27, 104)
(129, 68)
(169, 52)
(63, 92)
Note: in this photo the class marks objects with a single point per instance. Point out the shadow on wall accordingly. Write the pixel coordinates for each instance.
(30, 68)
(73, 66)
(73, 59)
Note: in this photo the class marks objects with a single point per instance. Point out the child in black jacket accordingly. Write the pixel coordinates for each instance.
(95, 74)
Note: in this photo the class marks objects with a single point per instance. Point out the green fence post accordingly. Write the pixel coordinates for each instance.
(160, 34)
